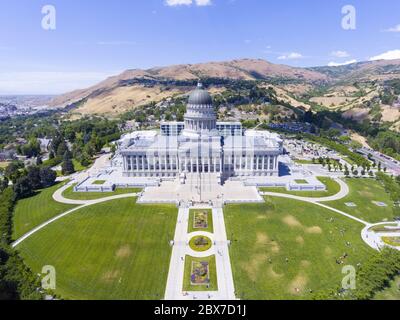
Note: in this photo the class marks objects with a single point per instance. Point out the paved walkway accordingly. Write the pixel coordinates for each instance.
(174, 288)
(374, 239)
(315, 201)
(344, 191)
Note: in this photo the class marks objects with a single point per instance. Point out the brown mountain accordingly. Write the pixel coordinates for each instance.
(246, 69)
(128, 90)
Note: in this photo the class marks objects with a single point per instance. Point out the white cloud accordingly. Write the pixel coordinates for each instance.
(199, 3)
(47, 82)
(340, 54)
(173, 3)
(389, 55)
(291, 56)
(337, 64)
(393, 29)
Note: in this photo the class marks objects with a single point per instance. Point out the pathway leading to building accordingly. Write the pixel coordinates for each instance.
(174, 288)
(344, 191)
(315, 201)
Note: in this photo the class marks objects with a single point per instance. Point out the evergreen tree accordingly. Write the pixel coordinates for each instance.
(62, 148)
(34, 177)
(47, 177)
(23, 188)
(67, 166)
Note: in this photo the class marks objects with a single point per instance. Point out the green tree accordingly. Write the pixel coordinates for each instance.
(47, 177)
(67, 166)
(22, 188)
(34, 177)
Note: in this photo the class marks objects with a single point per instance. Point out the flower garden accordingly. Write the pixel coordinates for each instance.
(200, 220)
(200, 274)
(200, 243)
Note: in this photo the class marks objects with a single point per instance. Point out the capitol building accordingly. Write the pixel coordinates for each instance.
(200, 145)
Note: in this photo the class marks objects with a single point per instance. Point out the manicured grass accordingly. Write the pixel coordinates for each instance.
(284, 248)
(78, 166)
(70, 194)
(391, 293)
(384, 228)
(200, 243)
(99, 182)
(113, 250)
(332, 188)
(193, 213)
(304, 161)
(301, 181)
(392, 241)
(362, 193)
(213, 285)
(31, 212)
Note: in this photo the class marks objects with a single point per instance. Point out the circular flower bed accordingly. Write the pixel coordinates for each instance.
(200, 243)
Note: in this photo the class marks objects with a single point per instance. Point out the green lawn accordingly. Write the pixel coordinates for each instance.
(200, 243)
(265, 235)
(70, 194)
(33, 211)
(78, 166)
(362, 193)
(193, 212)
(115, 250)
(301, 181)
(99, 182)
(332, 188)
(390, 293)
(213, 285)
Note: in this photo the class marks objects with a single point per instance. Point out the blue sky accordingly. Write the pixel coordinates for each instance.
(97, 38)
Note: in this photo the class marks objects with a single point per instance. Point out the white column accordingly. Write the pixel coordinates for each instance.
(263, 163)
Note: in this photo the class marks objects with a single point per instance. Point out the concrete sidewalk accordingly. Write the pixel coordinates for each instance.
(174, 288)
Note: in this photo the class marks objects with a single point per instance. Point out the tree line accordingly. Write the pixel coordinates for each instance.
(17, 281)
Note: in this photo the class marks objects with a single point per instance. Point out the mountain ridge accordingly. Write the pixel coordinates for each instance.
(136, 87)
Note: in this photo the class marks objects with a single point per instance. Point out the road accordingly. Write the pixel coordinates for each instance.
(387, 162)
